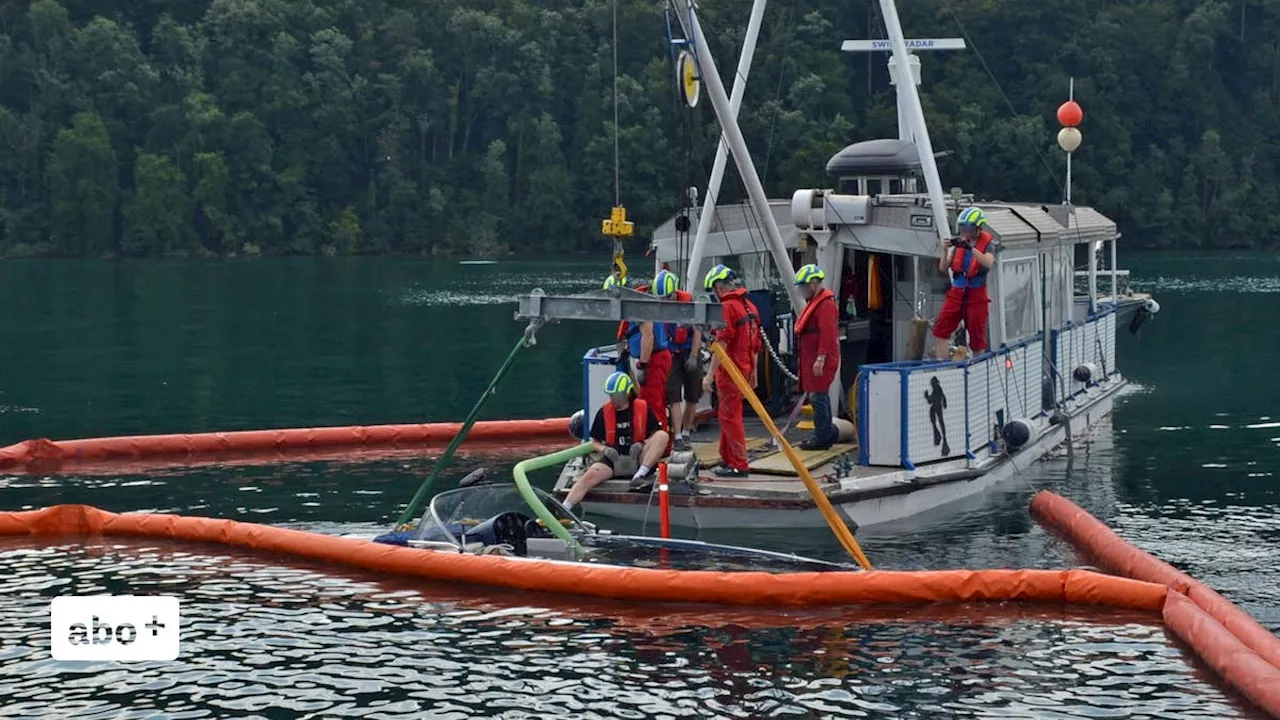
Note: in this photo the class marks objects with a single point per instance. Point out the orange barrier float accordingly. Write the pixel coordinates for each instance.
(1253, 676)
(1243, 652)
(45, 454)
(619, 583)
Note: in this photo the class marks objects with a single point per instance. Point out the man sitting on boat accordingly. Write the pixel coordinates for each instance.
(818, 339)
(741, 338)
(684, 386)
(969, 258)
(627, 438)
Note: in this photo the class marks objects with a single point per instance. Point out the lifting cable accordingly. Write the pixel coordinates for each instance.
(616, 225)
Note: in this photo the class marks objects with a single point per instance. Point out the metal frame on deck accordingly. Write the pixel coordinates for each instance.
(619, 304)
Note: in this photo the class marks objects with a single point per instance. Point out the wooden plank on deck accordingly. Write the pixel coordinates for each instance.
(777, 464)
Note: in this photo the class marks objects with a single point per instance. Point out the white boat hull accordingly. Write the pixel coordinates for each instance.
(1086, 409)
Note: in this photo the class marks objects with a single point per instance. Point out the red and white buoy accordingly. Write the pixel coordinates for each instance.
(1070, 116)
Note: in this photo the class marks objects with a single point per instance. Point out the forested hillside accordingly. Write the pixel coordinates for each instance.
(305, 126)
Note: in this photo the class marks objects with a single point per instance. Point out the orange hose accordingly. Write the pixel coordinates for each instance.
(603, 581)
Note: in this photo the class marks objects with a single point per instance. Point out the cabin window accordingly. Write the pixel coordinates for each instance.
(1019, 285)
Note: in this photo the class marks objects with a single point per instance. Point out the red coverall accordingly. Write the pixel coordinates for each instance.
(967, 298)
(741, 340)
(818, 333)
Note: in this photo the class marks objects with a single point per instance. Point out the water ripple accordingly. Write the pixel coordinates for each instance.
(266, 639)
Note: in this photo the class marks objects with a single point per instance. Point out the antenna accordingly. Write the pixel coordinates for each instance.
(904, 125)
(1069, 137)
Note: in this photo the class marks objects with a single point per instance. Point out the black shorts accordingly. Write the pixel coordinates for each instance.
(682, 385)
(625, 466)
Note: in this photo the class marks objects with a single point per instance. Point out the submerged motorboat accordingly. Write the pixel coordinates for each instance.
(497, 519)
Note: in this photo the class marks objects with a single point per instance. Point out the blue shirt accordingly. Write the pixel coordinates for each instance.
(660, 339)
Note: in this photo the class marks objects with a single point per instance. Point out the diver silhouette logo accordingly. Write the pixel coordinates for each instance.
(937, 403)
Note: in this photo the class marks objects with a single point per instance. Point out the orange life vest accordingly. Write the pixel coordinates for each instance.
(639, 422)
(823, 296)
(973, 275)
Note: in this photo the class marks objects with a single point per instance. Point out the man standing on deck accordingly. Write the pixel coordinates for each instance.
(741, 339)
(648, 347)
(969, 258)
(684, 387)
(620, 436)
(816, 332)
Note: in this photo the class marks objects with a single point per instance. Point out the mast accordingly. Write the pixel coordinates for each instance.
(693, 277)
(738, 146)
(897, 78)
(909, 101)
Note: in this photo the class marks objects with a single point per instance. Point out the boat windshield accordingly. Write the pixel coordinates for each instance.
(455, 512)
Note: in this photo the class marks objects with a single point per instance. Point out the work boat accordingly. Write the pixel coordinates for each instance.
(520, 522)
(921, 433)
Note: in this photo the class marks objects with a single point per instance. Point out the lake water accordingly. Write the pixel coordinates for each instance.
(1187, 469)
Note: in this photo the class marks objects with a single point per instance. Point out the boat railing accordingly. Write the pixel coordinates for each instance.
(918, 412)
(926, 411)
(1077, 343)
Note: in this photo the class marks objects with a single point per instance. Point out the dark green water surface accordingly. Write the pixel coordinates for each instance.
(1187, 469)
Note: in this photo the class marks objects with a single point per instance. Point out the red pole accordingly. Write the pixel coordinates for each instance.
(664, 501)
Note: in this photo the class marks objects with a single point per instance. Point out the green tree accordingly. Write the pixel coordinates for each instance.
(83, 188)
(157, 214)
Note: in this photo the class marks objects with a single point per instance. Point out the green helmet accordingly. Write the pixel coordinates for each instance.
(809, 273)
(719, 273)
(618, 384)
(971, 216)
(665, 283)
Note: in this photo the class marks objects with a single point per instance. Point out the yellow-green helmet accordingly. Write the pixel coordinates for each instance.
(719, 273)
(665, 283)
(971, 216)
(809, 273)
(618, 384)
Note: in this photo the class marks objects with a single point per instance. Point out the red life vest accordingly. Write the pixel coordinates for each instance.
(746, 348)
(963, 276)
(823, 296)
(639, 422)
(680, 335)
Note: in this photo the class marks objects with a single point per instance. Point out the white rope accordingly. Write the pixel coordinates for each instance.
(617, 185)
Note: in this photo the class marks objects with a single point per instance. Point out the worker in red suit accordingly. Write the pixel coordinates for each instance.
(648, 349)
(969, 258)
(817, 336)
(741, 339)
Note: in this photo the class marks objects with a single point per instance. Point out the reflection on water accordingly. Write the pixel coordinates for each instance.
(290, 640)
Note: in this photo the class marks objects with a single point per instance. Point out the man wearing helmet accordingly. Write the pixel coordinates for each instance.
(625, 434)
(644, 351)
(969, 258)
(817, 337)
(684, 386)
(741, 339)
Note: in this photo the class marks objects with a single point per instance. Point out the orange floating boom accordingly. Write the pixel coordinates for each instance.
(604, 581)
(142, 447)
(1244, 653)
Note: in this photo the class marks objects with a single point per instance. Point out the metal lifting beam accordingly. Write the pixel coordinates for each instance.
(619, 304)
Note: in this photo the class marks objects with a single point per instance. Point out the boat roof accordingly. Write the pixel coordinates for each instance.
(736, 231)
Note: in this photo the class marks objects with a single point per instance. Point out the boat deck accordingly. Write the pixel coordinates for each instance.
(772, 477)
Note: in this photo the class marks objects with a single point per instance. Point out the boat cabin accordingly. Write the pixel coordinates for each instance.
(875, 239)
